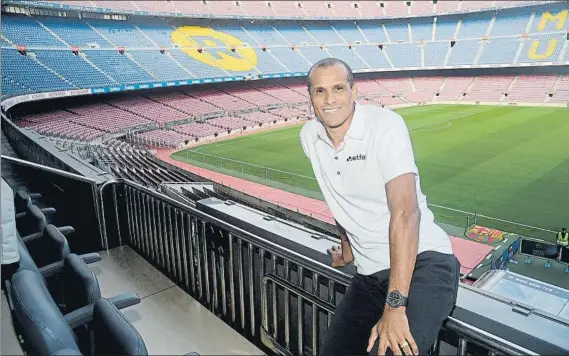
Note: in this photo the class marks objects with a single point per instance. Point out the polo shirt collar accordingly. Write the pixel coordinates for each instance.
(356, 130)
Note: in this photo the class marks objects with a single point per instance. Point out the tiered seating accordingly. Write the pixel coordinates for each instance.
(561, 90)
(532, 89)
(453, 87)
(55, 301)
(260, 117)
(406, 43)
(304, 9)
(488, 88)
(230, 123)
(220, 99)
(250, 95)
(197, 130)
(143, 107)
(160, 138)
(137, 165)
(106, 117)
(185, 103)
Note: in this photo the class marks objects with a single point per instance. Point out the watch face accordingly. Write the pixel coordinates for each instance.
(394, 299)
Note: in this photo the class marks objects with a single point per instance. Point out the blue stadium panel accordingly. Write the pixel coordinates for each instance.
(513, 23)
(291, 59)
(324, 34)
(19, 68)
(373, 32)
(474, 26)
(445, 28)
(463, 52)
(545, 20)
(404, 55)
(349, 32)
(266, 35)
(197, 68)
(397, 31)
(435, 53)
(121, 33)
(161, 34)
(75, 32)
(5, 43)
(314, 54)
(267, 64)
(499, 50)
(373, 56)
(73, 68)
(10, 86)
(542, 48)
(119, 67)
(23, 30)
(348, 55)
(238, 32)
(161, 65)
(295, 34)
(422, 29)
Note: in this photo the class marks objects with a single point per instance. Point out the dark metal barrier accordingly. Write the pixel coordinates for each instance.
(74, 197)
(275, 297)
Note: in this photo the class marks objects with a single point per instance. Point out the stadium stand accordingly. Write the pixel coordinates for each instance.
(302, 9)
(521, 34)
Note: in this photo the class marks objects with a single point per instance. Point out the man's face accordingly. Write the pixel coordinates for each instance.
(331, 95)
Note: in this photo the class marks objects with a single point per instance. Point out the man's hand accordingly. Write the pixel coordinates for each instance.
(338, 259)
(393, 332)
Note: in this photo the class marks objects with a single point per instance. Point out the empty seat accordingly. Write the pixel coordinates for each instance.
(37, 317)
(114, 334)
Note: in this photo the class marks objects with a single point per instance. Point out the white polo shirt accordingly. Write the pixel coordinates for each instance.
(352, 178)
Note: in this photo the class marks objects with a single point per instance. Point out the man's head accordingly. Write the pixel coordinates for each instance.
(332, 91)
(563, 230)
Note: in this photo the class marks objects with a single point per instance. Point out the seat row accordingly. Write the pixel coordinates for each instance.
(54, 297)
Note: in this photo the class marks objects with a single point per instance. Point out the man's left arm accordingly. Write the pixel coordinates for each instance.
(403, 231)
(399, 172)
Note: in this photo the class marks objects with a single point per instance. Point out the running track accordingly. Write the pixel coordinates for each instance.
(468, 252)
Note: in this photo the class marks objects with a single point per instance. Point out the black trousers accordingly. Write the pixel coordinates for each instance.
(432, 296)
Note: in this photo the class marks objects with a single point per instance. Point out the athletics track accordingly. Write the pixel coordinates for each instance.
(468, 252)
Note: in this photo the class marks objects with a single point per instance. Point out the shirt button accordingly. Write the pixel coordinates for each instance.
(336, 157)
(338, 172)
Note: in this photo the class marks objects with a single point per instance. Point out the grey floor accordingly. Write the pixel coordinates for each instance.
(170, 321)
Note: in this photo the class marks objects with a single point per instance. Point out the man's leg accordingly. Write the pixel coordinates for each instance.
(432, 296)
(358, 312)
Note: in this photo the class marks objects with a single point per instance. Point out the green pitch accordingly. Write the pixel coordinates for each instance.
(511, 163)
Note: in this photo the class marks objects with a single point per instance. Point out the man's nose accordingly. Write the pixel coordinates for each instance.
(329, 99)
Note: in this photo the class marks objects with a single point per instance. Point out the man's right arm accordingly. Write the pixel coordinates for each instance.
(346, 248)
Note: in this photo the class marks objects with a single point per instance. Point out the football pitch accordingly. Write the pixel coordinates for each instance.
(509, 163)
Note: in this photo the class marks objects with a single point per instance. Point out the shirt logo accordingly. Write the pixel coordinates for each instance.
(359, 157)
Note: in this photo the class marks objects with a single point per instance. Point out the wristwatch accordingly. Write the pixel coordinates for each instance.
(395, 299)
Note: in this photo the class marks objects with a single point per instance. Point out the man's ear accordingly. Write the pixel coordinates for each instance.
(355, 91)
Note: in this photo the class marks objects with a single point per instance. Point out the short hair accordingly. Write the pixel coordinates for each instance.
(330, 62)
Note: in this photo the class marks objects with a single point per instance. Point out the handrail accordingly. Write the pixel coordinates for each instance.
(48, 169)
(482, 337)
(105, 241)
(296, 257)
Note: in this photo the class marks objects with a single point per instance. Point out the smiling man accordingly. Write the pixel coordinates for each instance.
(407, 275)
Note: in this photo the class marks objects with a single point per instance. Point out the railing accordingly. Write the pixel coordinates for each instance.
(275, 297)
(73, 196)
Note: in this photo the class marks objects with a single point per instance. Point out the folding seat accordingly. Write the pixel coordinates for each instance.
(46, 331)
(31, 224)
(113, 333)
(36, 316)
(22, 200)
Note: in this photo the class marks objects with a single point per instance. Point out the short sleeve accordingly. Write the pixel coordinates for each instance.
(304, 141)
(395, 151)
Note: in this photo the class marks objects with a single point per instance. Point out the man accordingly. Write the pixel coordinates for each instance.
(10, 256)
(407, 275)
(562, 239)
